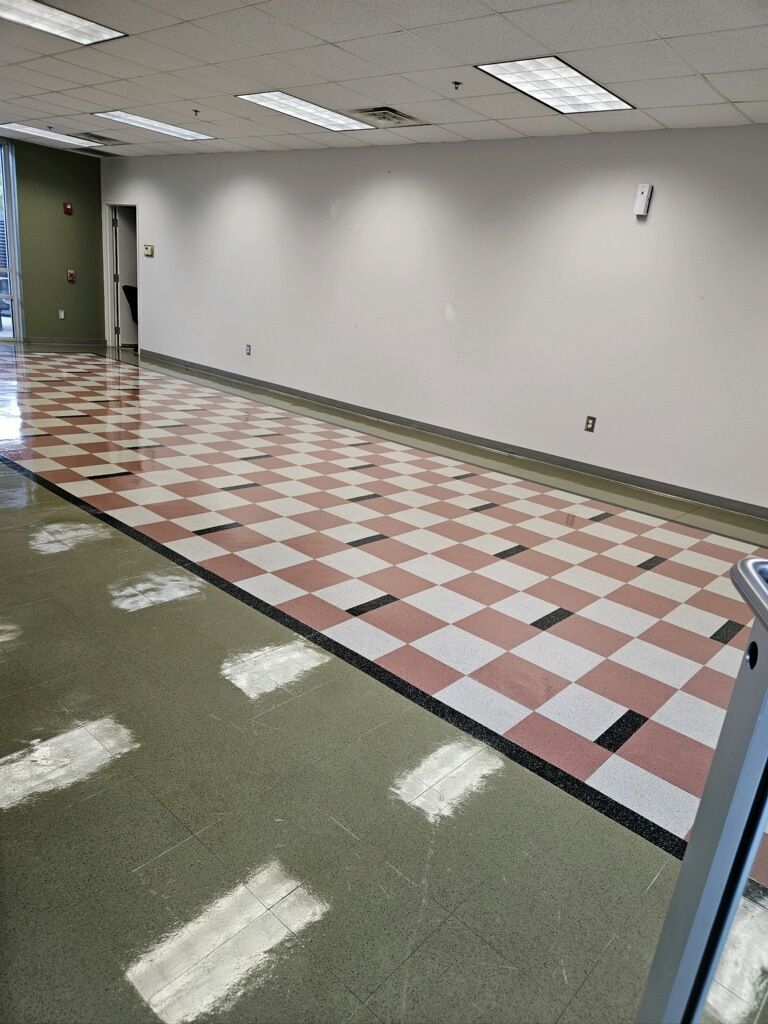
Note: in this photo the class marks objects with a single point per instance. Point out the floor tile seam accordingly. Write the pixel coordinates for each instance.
(520, 755)
(288, 700)
(588, 975)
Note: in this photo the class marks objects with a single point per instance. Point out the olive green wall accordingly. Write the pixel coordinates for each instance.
(50, 242)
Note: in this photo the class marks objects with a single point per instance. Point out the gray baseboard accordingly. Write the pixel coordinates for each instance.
(67, 342)
(660, 486)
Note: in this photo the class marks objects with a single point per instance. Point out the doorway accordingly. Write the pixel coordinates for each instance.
(10, 306)
(122, 278)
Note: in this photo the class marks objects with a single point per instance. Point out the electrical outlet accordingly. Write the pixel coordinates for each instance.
(589, 426)
(62, 315)
(247, 350)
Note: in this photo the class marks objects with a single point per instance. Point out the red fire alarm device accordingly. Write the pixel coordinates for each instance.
(71, 276)
(67, 208)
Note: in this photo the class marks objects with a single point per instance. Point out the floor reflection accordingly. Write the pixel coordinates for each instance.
(270, 668)
(56, 537)
(61, 761)
(151, 589)
(740, 991)
(447, 777)
(208, 963)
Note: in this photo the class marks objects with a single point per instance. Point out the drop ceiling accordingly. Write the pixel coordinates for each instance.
(680, 63)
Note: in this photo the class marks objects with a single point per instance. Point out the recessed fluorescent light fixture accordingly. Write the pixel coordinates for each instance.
(295, 107)
(43, 133)
(58, 23)
(153, 126)
(555, 83)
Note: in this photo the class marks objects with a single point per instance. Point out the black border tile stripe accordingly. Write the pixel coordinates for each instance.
(509, 552)
(215, 529)
(108, 476)
(240, 487)
(363, 497)
(552, 618)
(598, 801)
(652, 562)
(371, 606)
(727, 631)
(616, 735)
(482, 508)
(599, 518)
(362, 541)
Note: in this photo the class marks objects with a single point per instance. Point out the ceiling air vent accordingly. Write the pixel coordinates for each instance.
(102, 140)
(387, 117)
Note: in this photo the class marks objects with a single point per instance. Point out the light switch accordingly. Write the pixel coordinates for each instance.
(149, 250)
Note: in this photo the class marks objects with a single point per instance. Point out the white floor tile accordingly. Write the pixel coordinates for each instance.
(483, 705)
(434, 569)
(459, 649)
(271, 589)
(425, 540)
(649, 795)
(444, 604)
(273, 556)
(618, 616)
(354, 562)
(196, 549)
(558, 656)
(586, 579)
(565, 552)
(516, 577)
(694, 619)
(364, 638)
(728, 661)
(665, 586)
(524, 607)
(692, 717)
(650, 660)
(582, 711)
(349, 594)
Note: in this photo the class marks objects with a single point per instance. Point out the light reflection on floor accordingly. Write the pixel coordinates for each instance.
(56, 537)
(446, 778)
(62, 760)
(208, 963)
(151, 589)
(270, 668)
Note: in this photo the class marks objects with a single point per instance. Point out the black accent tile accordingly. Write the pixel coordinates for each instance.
(603, 515)
(141, 447)
(365, 465)
(367, 540)
(727, 631)
(75, 416)
(356, 444)
(651, 563)
(508, 552)
(239, 487)
(552, 618)
(369, 606)
(484, 508)
(364, 497)
(215, 529)
(464, 476)
(616, 735)
(254, 458)
(169, 426)
(108, 476)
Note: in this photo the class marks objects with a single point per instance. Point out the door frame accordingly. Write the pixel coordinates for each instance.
(8, 170)
(111, 305)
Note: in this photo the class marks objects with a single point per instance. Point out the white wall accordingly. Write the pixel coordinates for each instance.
(501, 288)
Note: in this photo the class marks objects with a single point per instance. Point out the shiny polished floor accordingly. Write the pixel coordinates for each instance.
(206, 817)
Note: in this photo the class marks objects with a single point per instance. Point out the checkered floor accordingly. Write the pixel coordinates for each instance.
(602, 640)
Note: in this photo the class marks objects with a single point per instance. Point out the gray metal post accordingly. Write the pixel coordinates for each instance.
(725, 835)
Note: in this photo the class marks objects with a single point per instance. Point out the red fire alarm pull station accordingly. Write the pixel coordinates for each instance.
(71, 276)
(67, 208)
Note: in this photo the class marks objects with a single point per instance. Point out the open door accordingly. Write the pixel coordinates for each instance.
(124, 277)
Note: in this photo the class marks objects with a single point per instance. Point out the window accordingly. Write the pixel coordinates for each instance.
(10, 315)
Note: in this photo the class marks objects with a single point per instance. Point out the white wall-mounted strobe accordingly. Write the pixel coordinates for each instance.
(643, 200)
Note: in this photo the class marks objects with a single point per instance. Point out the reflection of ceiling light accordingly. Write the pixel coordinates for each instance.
(9, 632)
(153, 588)
(57, 537)
(271, 667)
(206, 965)
(43, 133)
(10, 420)
(153, 126)
(739, 985)
(61, 761)
(58, 23)
(445, 779)
(550, 80)
(293, 106)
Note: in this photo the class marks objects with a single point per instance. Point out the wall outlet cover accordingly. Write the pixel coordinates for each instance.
(62, 314)
(589, 426)
(247, 350)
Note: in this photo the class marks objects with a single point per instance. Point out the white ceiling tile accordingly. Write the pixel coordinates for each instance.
(194, 41)
(257, 31)
(481, 40)
(229, 105)
(121, 15)
(390, 89)
(399, 52)
(173, 85)
(408, 14)
(757, 112)
(341, 140)
(130, 89)
(333, 63)
(686, 17)
(428, 133)
(97, 98)
(551, 124)
(439, 112)
(62, 101)
(629, 62)
(141, 51)
(485, 130)
(190, 10)
(10, 54)
(38, 43)
(387, 137)
(579, 24)
(714, 115)
(297, 142)
(739, 50)
(261, 74)
(472, 82)
(505, 105)
(332, 95)
(666, 92)
(516, 5)
(104, 62)
(742, 85)
(33, 81)
(331, 20)
(257, 144)
(72, 73)
(616, 121)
